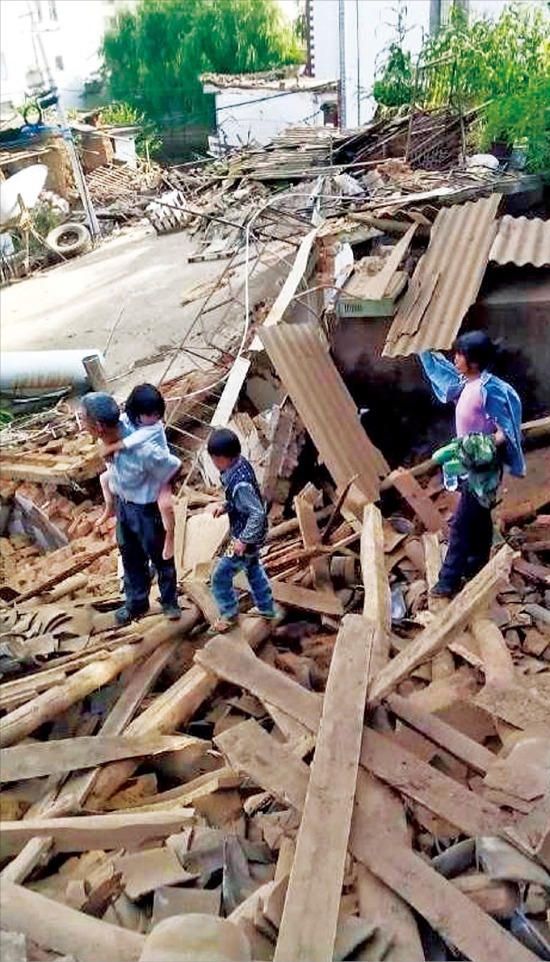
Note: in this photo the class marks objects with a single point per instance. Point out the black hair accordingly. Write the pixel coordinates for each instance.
(101, 408)
(477, 347)
(144, 399)
(224, 443)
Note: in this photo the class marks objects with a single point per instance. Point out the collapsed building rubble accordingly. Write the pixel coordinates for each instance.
(369, 777)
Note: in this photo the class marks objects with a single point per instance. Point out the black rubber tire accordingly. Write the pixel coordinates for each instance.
(69, 239)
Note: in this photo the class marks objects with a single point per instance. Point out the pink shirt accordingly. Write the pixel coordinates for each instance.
(471, 417)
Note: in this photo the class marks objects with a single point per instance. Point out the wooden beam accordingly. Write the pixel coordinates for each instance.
(448, 911)
(516, 705)
(377, 603)
(443, 663)
(293, 596)
(55, 757)
(311, 536)
(274, 766)
(81, 562)
(173, 708)
(500, 671)
(84, 833)
(310, 915)
(438, 731)
(409, 489)
(236, 663)
(434, 638)
(386, 759)
(455, 916)
(61, 929)
(19, 723)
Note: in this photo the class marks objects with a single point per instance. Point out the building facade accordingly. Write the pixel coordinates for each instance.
(348, 39)
(254, 108)
(71, 32)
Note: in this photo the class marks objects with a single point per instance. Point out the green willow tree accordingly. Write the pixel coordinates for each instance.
(155, 54)
(503, 65)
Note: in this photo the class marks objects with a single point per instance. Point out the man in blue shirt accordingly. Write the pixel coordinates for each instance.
(136, 476)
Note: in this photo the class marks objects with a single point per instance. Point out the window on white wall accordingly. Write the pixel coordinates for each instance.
(59, 63)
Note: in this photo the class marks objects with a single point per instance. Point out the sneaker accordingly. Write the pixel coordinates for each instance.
(172, 612)
(123, 616)
(223, 625)
(274, 614)
(443, 591)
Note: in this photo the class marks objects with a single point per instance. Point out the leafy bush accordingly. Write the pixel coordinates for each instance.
(503, 64)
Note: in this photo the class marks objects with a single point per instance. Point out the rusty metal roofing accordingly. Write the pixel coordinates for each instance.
(522, 241)
(325, 405)
(447, 279)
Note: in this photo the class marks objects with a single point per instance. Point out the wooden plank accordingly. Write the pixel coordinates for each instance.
(311, 536)
(452, 740)
(434, 638)
(409, 489)
(455, 916)
(175, 706)
(204, 536)
(310, 915)
(54, 757)
(450, 912)
(524, 779)
(275, 767)
(377, 284)
(143, 872)
(59, 928)
(297, 275)
(28, 717)
(532, 834)
(442, 663)
(516, 705)
(377, 603)
(500, 671)
(232, 388)
(293, 596)
(236, 663)
(380, 806)
(442, 795)
(86, 832)
(180, 518)
(203, 598)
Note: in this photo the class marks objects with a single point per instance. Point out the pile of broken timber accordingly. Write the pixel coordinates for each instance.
(154, 772)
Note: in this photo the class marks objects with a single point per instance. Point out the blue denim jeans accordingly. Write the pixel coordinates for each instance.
(222, 583)
(140, 536)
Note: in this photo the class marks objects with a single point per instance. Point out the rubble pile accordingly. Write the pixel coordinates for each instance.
(398, 742)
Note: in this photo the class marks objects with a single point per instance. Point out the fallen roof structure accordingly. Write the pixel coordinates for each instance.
(447, 279)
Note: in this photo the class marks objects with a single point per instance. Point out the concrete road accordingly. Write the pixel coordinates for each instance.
(76, 304)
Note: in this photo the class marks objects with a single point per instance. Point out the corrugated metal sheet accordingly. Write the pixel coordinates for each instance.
(447, 279)
(522, 241)
(324, 405)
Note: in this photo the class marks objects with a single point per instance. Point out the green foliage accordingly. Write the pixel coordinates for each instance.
(120, 114)
(396, 86)
(471, 62)
(155, 54)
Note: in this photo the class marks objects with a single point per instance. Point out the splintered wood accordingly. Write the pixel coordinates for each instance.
(366, 776)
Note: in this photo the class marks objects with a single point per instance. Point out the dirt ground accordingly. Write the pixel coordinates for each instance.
(76, 304)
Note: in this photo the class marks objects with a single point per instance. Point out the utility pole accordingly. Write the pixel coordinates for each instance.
(66, 132)
(342, 55)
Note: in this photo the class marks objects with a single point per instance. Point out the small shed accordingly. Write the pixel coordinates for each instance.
(254, 108)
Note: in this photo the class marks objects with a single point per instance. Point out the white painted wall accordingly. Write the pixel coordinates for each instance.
(244, 116)
(71, 30)
(369, 26)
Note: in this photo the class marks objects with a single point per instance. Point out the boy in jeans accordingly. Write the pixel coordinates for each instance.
(248, 528)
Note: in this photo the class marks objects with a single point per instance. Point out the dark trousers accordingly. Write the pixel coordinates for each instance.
(140, 536)
(469, 543)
